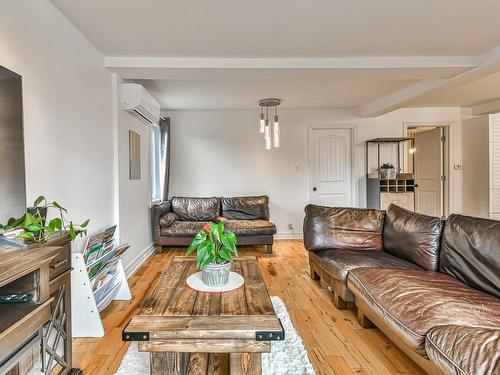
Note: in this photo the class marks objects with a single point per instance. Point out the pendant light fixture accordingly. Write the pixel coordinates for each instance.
(276, 128)
(262, 120)
(267, 132)
(271, 138)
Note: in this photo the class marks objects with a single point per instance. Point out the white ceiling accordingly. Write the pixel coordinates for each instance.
(375, 55)
(299, 88)
(287, 28)
(477, 92)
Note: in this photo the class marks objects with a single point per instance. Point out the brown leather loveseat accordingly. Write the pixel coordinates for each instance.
(176, 222)
(432, 286)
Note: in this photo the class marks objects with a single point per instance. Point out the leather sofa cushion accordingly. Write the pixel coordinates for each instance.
(250, 227)
(246, 208)
(239, 227)
(414, 237)
(338, 262)
(183, 229)
(412, 302)
(464, 350)
(167, 219)
(342, 228)
(470, 251)
(196, 209)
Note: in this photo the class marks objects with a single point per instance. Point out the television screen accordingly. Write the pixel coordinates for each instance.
(12, 171)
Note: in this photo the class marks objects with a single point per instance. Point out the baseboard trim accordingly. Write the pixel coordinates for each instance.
(139, 260)
(288, 236)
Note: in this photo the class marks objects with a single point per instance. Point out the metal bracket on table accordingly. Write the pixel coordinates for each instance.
(270, 335)
(135, 336)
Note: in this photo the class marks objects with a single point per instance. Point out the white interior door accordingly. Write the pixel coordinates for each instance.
(331, 167)
(428, 172)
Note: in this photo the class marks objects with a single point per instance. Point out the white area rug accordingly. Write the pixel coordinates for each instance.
(288, 357)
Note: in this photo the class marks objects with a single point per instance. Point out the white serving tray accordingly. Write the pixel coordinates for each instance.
(195, 282)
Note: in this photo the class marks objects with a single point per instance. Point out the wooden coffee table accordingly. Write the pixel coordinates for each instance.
(190, 332)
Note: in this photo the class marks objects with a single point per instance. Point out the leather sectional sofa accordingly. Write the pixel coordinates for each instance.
(176, 222)
(432, 286)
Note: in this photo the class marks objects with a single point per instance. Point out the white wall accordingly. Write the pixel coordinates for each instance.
(68, 114)
(494, 163)
(217, 153)
(475, 171)
(134, 196)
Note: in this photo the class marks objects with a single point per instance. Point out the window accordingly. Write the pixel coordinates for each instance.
(155, 164)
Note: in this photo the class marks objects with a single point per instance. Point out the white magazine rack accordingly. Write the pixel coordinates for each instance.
(86, 303)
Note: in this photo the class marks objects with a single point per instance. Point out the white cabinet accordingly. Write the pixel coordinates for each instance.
(405, 200)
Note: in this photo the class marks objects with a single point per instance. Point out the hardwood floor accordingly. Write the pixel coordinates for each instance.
(335, 342)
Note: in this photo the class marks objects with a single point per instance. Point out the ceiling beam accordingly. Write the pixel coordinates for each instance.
(486, 64)
(292, 63)
(399, 98)
(486, 108)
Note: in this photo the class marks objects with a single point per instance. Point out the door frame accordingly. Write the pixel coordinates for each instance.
(445, 128)
(353, 128)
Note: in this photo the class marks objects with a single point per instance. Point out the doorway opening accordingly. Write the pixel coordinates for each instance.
(428, 160)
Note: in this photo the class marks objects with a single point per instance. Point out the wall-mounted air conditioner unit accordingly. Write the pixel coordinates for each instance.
(137, 100)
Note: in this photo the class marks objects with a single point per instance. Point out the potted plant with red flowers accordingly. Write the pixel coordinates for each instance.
(215, 248)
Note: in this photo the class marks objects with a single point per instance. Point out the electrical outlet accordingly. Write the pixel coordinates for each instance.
(291, 227)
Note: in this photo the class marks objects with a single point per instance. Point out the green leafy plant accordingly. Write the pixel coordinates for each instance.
(387, 166)
(213, 245)
(35, 226)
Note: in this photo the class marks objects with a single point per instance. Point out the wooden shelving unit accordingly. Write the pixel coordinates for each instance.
(397, 186)
(51, 306)
(12, 313)
(380, 192)
(23, 271)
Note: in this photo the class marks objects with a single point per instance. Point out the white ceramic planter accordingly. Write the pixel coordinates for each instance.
(388, 174)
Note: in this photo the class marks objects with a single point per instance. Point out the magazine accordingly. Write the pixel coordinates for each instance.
(98, 244)
(101, 256)
(104, 274)
(121, 249)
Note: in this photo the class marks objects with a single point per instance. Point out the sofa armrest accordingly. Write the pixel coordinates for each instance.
(156, 211)
(342, 228)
